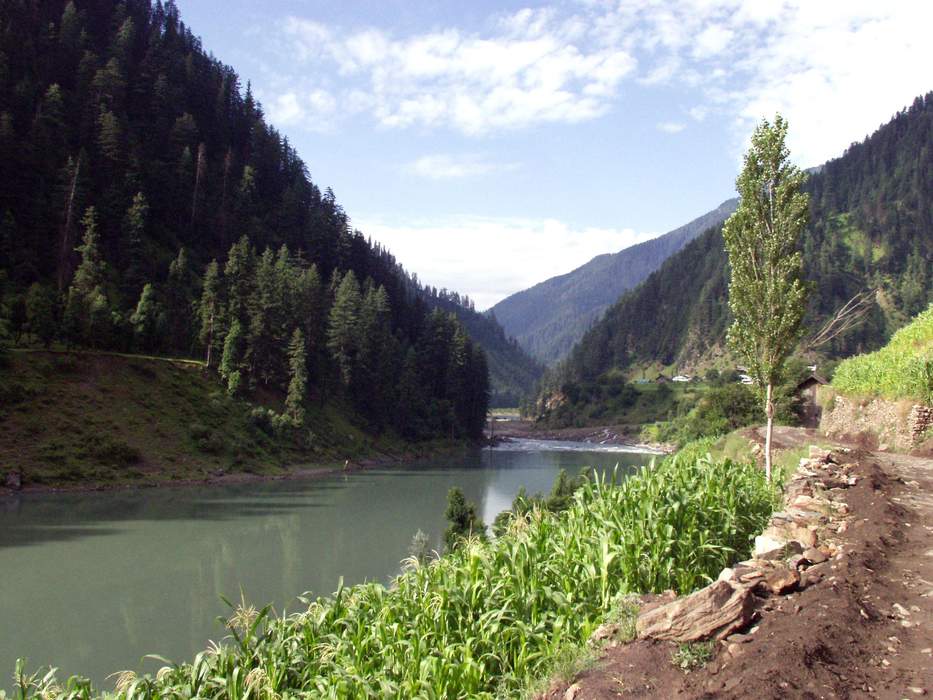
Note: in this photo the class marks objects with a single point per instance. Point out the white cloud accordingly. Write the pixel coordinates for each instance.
(491, 258)
(672, 127)
(534, 69)
(443, 166)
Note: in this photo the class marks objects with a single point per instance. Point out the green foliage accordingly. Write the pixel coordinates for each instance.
(691, 656)
(766, 294)
(718, 411)
(491, 617)
(465, 524)
(879, 186)
(903, 369)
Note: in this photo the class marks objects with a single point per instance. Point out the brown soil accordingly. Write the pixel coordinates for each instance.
(839, 637)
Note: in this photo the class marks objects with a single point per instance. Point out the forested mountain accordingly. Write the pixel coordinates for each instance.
(513, 373)
(871, 228)
(146, 205)
(550, 317)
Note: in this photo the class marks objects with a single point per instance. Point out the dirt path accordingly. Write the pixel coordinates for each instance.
(859, 627)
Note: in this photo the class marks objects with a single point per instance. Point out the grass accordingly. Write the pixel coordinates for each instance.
(84, 418)
(903, 369)
(692, 655)
(493, 618)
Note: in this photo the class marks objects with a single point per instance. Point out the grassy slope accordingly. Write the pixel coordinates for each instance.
(902, 369)
(82, 418)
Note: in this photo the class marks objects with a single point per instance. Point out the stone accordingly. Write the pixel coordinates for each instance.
(14, 480)
(718, 610)
(818, 453)
(727, 574)
(781, 580)
(900, 610)
(815, 556)
(917, 691)
(572, 691)
(607, 630)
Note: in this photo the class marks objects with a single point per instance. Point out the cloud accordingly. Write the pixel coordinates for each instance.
(311, 110)
(533, 69)
(503, 255)
(671, 127)
(443, 166)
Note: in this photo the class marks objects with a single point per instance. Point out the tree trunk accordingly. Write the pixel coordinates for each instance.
(769, 414)
(210, 341)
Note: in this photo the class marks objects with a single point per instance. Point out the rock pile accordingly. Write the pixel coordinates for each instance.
(792, 553)
(919, 422)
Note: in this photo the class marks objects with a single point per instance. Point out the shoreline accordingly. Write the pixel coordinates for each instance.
(595, 435)
(303, 472)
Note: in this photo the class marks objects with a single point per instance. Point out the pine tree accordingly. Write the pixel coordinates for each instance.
(147, 320)
(343, 326)
(231, 363)
(463, 519)
(298, 383)
(133, 235)
(766, 294)
(209, 311)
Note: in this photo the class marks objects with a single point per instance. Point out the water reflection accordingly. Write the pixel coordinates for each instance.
(92, 582)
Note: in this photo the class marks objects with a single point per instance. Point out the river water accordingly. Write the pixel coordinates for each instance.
(92, 582)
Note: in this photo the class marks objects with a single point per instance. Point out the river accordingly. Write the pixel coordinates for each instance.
(92, 582)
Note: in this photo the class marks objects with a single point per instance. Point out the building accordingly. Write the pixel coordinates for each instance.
(810, 410)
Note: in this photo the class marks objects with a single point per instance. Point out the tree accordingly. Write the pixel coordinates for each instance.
(231, 363)
(766, 294)
(40, 313)
(464, 522)
(209, 308)
(147, 320)
(298, 383)
(343, 325)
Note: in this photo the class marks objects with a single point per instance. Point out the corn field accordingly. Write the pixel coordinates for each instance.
(903, 369)
(489, 619)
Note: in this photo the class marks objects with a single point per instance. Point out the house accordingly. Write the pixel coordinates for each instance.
(745, 379)
(681, 378)
(810, 410)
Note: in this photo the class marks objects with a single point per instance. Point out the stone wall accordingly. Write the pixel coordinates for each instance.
(878, 423)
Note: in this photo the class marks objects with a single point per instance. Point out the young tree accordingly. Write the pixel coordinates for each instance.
(209, 309)
(147, 320)
(463, 519)
(231, 363)
(343, 326)
(298, 384)
(40, 313)
(766, 294)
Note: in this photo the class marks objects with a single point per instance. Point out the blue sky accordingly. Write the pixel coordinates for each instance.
(493, 145)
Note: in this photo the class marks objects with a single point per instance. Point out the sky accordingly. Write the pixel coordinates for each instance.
(491, 146)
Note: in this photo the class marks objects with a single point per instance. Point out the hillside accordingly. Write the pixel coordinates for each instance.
(512, 371)
(871, 228)
(550, 317)
(147, 206)
(79, 419)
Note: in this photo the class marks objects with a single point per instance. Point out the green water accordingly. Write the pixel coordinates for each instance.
(90, 583)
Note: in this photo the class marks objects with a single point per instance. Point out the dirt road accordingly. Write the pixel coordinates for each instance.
(859, 629)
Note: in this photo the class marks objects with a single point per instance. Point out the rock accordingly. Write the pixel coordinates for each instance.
(815, 556)
(781, 580)
(726, 574)
(818, 453)
(767, 547)
(14, 480)
(607, 630)
(572, 691)
(843, 526)
(917, 691)
(717, 610)
(901, 611)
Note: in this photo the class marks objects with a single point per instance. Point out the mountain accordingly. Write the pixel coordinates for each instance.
(550, 317)
(871, 228)
(146, 206)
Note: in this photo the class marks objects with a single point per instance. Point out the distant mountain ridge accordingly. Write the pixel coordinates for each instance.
(550, 317)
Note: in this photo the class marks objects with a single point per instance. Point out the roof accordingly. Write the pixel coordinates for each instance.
(810, 380)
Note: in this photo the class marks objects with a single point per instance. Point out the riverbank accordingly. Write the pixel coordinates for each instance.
(80, 422)
(626, 435)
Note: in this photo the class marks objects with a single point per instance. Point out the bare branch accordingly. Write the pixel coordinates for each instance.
(847, 317)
